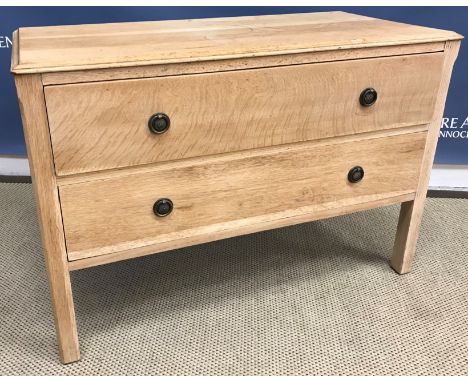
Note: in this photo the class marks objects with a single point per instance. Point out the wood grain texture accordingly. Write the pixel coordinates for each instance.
(106, 127)
(112, 215)
(257, 62)
(207, 159)
(14, 51)
(33, 113)
(307, 215)
(66, 48)
(411, 212)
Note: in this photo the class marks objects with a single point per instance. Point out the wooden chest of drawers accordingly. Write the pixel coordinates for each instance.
(145, 137)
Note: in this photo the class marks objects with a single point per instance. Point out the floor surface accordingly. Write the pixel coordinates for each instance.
(316, 298)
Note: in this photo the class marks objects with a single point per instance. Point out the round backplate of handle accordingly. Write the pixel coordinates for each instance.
(159, 123)
(368, 97)
(356, 174)
(163, 207)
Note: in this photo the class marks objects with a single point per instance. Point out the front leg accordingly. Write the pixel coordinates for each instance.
(36, 132)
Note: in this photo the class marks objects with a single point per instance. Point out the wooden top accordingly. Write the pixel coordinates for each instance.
(79, 47)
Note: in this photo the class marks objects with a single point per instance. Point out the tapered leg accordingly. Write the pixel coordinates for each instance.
(33, 112)
(411, 212)
(64, 313)
(407, 236)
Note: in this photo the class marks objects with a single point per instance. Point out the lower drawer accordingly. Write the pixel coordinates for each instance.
(216, 194)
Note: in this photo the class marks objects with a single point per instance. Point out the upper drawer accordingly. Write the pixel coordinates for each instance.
(104, 125)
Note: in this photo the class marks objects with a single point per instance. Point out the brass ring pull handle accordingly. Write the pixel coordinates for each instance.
(159, 123)
(163, 207)
(356, 174)
(368, 97)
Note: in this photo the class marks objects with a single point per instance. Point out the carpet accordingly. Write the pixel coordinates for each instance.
(316, 298)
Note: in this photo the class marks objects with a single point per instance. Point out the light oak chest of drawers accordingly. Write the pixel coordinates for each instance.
(145, 137)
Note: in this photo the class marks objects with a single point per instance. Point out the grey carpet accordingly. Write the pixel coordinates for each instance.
(316, 298)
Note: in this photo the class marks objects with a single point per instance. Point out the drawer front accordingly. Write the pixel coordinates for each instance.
(103, 125)
(220, 193)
